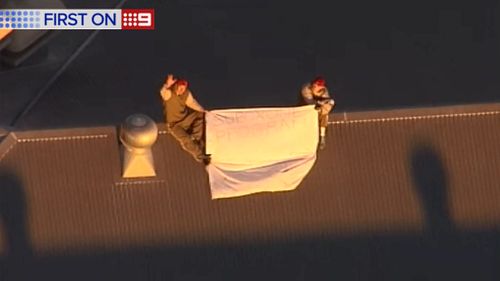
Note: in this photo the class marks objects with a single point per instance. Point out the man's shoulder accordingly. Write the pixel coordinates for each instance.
(166, 93)
(187, 94)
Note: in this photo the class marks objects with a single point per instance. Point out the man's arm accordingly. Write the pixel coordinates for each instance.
(307, 95)
(166, 93)
(326, 102)
(325, 98)
(192, 103)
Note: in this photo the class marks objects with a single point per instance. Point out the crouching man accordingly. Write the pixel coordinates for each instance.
(184, 116)
(315, 92)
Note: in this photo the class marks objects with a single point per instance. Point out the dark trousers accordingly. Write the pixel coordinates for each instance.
(189, 132)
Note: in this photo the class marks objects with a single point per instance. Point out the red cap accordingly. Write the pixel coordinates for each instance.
(182, 82)
(319, 81)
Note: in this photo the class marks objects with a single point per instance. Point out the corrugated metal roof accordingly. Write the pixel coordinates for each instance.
(382, 173)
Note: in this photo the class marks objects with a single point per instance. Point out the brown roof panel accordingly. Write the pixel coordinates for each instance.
(379, 175)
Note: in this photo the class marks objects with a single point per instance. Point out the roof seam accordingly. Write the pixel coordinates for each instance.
(63, 138)
(138, 182)
(423, 117)
(7, 151)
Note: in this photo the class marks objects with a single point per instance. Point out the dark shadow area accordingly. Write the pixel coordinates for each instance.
(449, 254)
(368, 257)
(429, 176)
(14, 223)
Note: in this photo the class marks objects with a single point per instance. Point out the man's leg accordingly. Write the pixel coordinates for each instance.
(323, 123)
(194, 121)
(197, 130)
(197, 126)
(179, 131)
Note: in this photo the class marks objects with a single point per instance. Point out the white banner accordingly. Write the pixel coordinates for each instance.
(260, 149)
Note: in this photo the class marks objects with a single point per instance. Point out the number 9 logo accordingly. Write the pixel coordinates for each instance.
(133, 19)
(144, 19)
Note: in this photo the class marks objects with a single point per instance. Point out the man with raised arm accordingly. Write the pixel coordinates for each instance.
(184, 116)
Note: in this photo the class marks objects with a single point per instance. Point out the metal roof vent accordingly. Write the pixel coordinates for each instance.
(138, 134)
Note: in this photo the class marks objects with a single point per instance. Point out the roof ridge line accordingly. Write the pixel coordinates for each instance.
(136, 182)
(416, 117)
(62, 138)
(11, 137)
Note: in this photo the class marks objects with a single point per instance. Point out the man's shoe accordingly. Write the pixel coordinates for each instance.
(322, 142)
(204, 158)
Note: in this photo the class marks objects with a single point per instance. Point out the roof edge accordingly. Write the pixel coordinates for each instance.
(4, 132)
(65, 133)
(7, 144)
(417, 112)
(337, 117)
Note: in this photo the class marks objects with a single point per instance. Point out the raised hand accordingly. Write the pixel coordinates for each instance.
(170, 81)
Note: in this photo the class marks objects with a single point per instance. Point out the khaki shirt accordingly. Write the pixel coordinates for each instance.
(175, 106)
(190, 101)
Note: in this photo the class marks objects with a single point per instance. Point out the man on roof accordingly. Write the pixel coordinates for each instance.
(184, 116)
(316, 92)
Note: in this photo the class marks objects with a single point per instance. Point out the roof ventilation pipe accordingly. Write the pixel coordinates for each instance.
(138, 134)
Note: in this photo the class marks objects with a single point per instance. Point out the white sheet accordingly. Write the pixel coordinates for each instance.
(260, 149)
